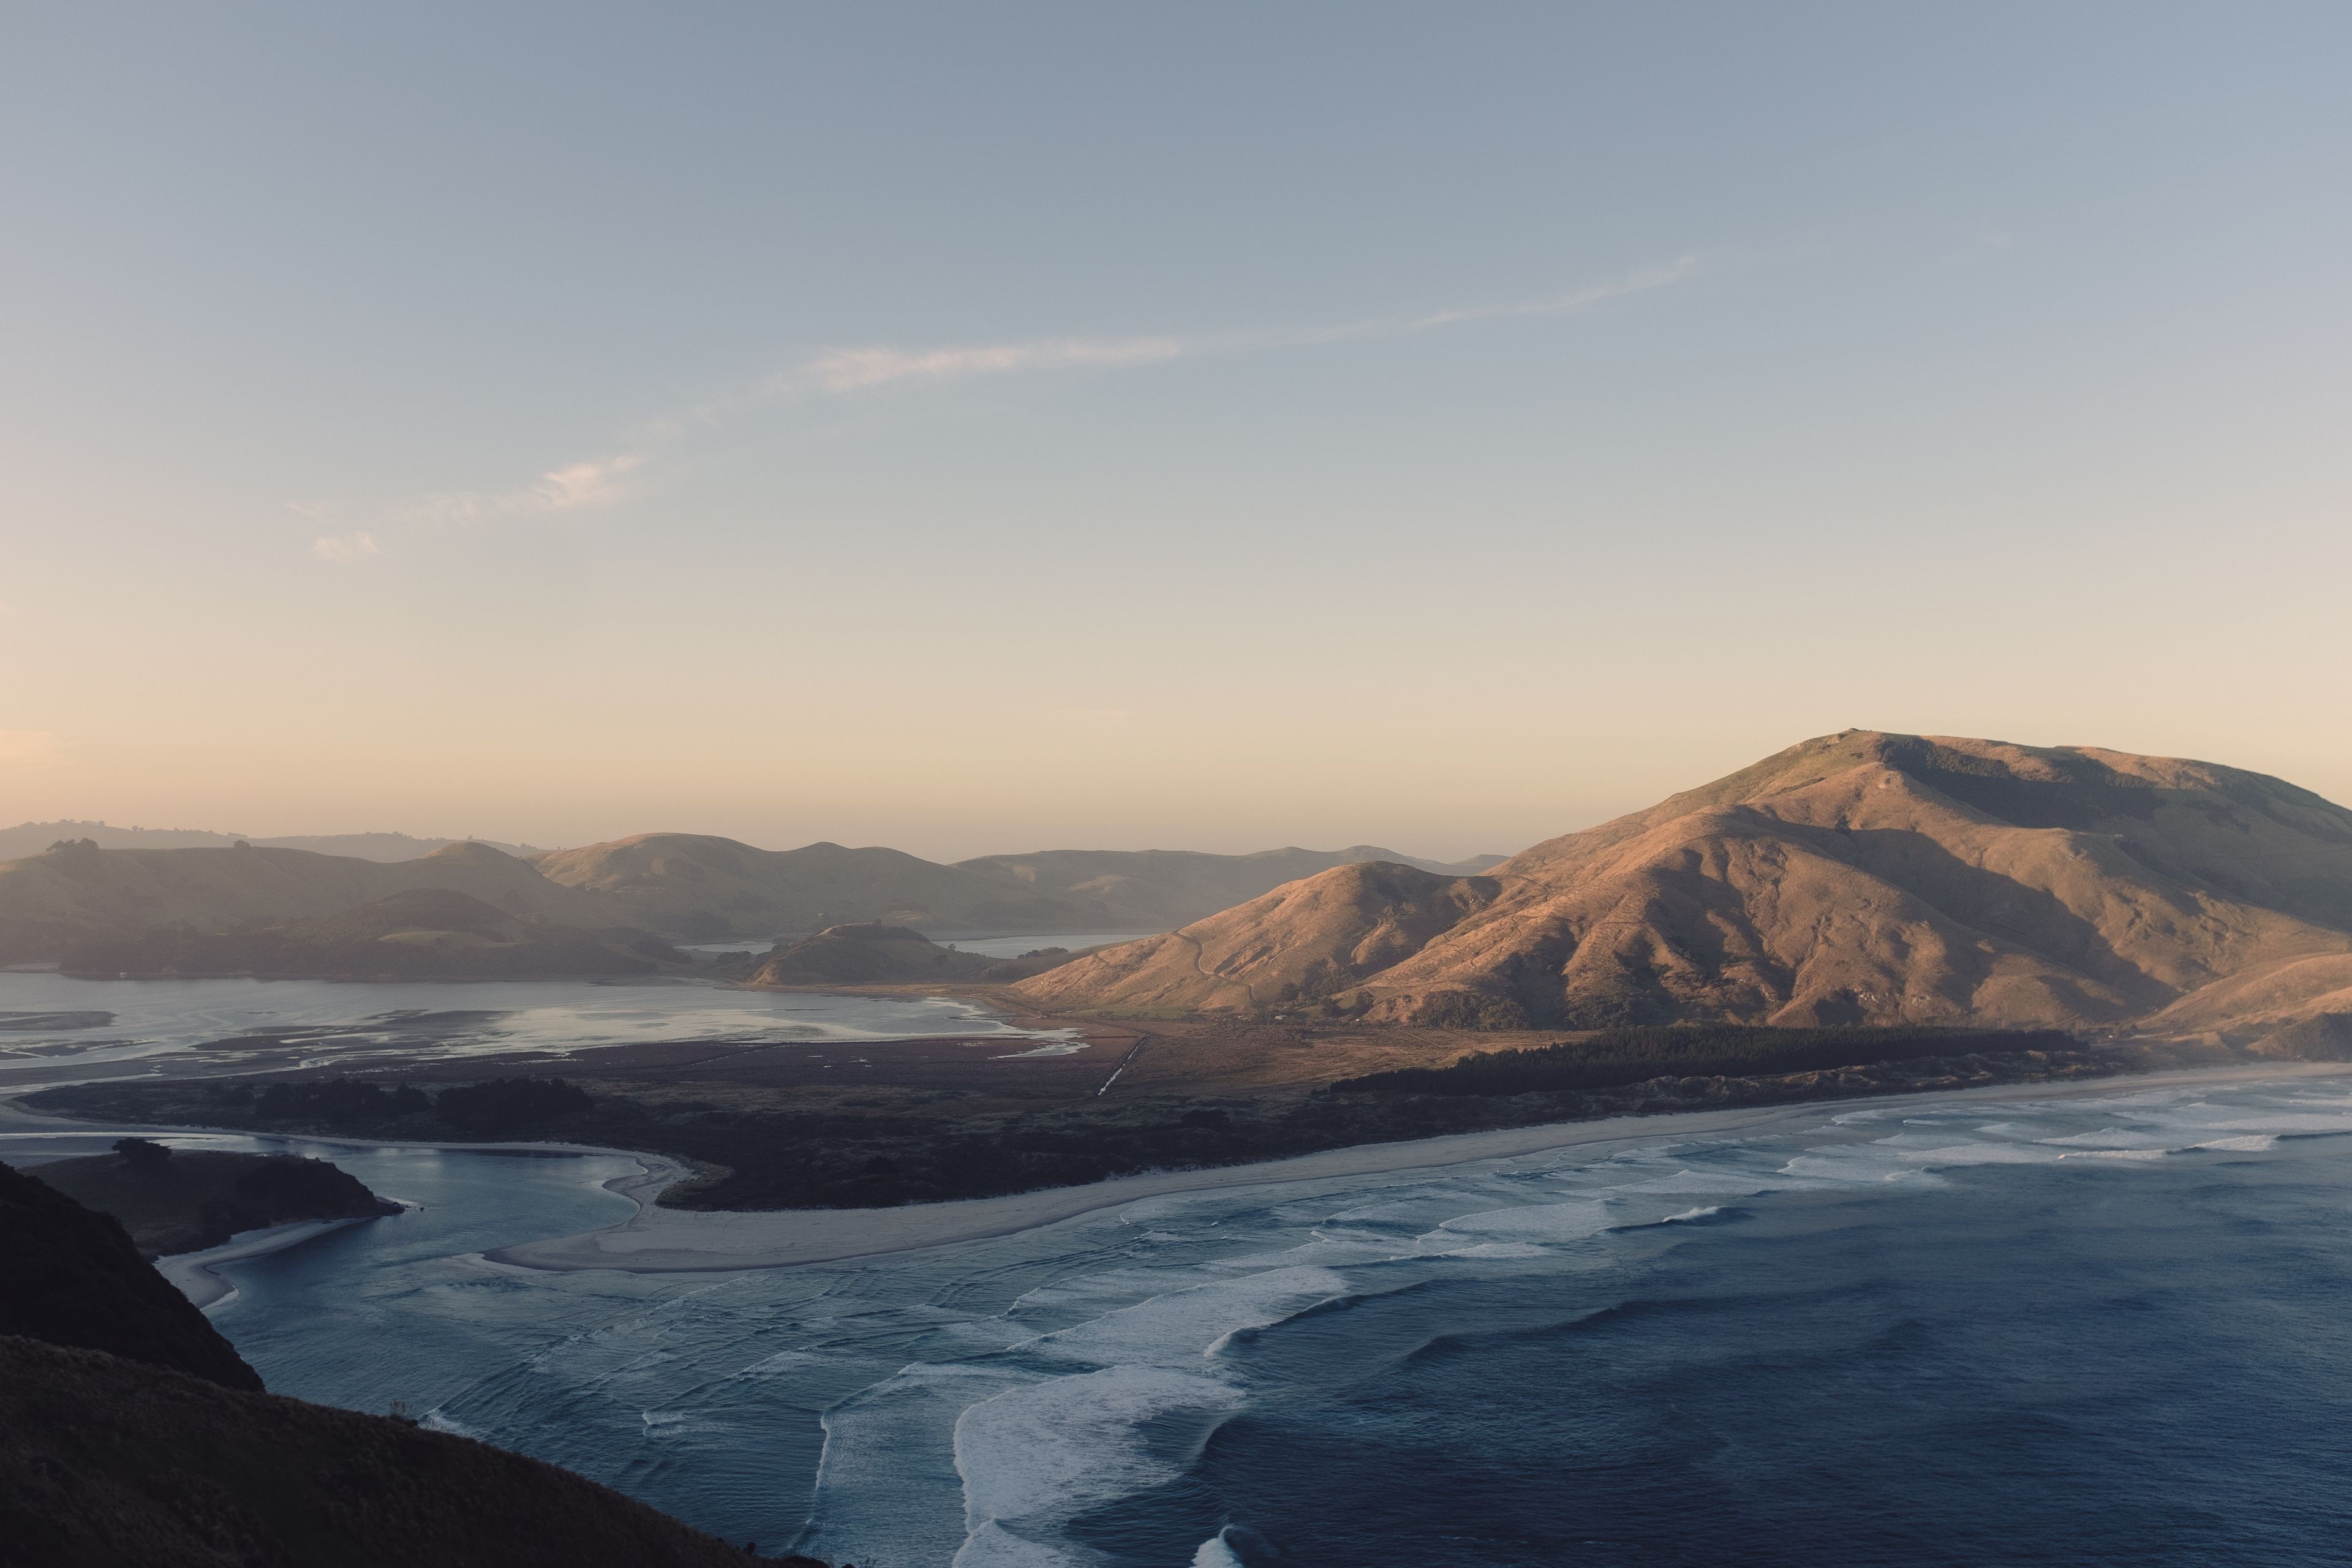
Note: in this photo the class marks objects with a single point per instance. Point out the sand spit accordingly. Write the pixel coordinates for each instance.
(665, 1241)
(192, 1272)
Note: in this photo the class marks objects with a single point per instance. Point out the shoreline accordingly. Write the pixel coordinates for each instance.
(192, 1272)
(686, 1241)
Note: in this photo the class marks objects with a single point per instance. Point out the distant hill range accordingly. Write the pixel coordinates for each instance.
(32, 838)
(299, 911)
(697, 887)
(1857, 879)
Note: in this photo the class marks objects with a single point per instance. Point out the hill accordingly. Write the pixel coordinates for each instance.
(53, 901)
(429, 932)
(876, 954)
(868, 954)
(1857, 879)
(184, 1200)
(697, 887)
(73, 1278)
(1312, 938)
(32, 838)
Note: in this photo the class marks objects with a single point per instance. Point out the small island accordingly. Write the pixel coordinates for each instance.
(173, 1201)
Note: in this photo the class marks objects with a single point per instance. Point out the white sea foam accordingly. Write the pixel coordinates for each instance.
(1036, 1456)
(2253, 1142)
(1186, 1322)
(1545, 1222)
(1214, 1554)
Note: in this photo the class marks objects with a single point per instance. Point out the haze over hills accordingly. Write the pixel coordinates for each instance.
(699, 887)
(51, 901)
(32, 838)
(1858, 877)
(683, 886)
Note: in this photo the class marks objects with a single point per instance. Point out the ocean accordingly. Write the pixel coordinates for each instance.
(2110, 1328)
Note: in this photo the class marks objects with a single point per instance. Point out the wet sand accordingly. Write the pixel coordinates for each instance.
(664, 1241)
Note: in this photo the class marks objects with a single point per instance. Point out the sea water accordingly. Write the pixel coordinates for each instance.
(51, 1023)
(2114, 1329)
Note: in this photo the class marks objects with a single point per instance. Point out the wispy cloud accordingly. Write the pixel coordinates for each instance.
(353, 546)
(875, 368)
(853, 370)
(572, 487)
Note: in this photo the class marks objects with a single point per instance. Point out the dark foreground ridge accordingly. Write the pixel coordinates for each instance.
(71, 1277)
(133, 1433)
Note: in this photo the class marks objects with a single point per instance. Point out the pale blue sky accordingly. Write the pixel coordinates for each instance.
(974, 428)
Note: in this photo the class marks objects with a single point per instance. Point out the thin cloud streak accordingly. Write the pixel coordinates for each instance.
(351, 546)
(838, 373)
(575, 486)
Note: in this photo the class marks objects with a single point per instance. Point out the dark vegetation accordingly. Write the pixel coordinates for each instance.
(883, 1151)
(133, 1433)
(1615, 1057)
(173, 1200)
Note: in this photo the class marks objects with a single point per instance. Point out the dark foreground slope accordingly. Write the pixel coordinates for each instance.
(133, 1433)
(71, 1277)
(106, 1462)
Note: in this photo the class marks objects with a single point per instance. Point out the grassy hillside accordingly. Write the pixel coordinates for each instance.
(1857, 879)
(1316, 939)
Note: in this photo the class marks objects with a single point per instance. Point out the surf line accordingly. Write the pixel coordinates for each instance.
(1133, 1052)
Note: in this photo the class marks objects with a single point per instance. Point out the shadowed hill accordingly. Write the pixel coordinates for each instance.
(103, 1462)
(698, 887)
(435, 932)
(73, 1278)
(184, 1200)
(1865, 878)
(51, 900)
(876, 954)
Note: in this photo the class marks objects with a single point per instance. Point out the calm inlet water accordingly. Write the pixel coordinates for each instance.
(2093, 1330)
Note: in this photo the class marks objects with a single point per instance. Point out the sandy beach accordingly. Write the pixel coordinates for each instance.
(663, 1241)
(192, 1272)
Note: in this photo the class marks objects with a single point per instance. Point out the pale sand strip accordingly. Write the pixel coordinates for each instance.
(664, 1241)
(193, 1271)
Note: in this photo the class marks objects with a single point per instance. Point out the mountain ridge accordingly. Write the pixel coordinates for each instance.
(1869, 877)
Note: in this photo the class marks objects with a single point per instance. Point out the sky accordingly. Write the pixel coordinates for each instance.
(987, 428)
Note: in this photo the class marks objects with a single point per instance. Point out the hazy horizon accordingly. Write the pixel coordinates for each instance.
(975, 432)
